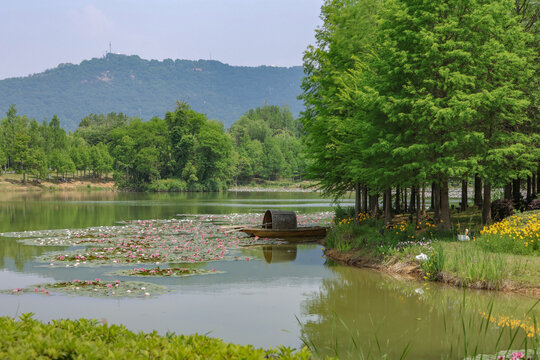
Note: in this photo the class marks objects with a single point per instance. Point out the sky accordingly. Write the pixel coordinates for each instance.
(40, 34)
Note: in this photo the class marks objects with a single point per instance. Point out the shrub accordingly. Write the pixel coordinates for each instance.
(501, 209)
(534, 205)
(89, 339)
(435, 263)
(168, 185)
(342, 213)
(347, 235)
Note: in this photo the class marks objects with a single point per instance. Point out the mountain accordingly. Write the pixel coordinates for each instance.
(148, 88)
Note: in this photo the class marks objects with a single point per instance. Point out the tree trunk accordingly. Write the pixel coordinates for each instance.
(24, 177)
(405, 200)
(432, 200)
(388, 206)
(417, 208)
(412, 206)
(538, 180)
(398, 204)
(364, 198)
(534, 186)
(357, 201)
(516, 192)
(508, 191)
(384, 202)
(436, 195)
(478, 191)
(423, 200)
(529, 188)
(486, 210)
(374, 204)
(464, 198)
(444, 224)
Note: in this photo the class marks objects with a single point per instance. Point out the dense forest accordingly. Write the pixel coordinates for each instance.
(418, 94)
(142, 88)
(184, 151)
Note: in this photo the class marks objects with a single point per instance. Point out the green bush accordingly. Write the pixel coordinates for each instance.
(168, 185)
(342, 213)
(435, 263)
(89, 339)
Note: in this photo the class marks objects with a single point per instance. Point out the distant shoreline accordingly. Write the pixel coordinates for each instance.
(9, 183)
(270, 189)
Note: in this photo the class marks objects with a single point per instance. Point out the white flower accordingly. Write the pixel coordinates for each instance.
(422, 257)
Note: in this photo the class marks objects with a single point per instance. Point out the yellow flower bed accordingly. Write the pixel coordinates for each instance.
(516, 234)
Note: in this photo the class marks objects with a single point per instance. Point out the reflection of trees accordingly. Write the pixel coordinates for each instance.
(20, 253)
(364, 307)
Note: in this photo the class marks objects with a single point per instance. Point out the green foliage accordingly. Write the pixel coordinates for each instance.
(410, 93)
(342, 213)
(196, 153)
(142, 88)
(168, 185)
(433, 266)
(67, 339)
(348, 236)
(97, 128)
(267, 140)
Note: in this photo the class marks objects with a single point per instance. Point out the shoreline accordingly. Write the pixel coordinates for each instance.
(413, 272)
(10, 185)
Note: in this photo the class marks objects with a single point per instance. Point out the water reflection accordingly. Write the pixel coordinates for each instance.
(59, 210)
(360, 309)
(17, 256)
(279, 253)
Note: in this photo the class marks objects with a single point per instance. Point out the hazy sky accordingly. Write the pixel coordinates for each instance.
(39, 34)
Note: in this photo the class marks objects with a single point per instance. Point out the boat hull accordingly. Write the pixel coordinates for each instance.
(306, 232)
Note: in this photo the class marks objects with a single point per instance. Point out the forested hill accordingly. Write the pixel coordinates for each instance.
(138, 87)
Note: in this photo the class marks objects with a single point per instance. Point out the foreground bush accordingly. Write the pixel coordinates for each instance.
(87, 339)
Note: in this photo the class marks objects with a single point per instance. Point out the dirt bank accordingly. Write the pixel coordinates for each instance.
(413, 271)
(7, 184)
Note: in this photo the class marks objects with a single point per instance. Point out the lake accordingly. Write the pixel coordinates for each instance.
(265, 294)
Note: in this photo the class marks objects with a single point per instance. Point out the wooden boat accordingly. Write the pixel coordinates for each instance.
(301, 232)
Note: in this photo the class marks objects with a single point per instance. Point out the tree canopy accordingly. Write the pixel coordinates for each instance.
(409, 93)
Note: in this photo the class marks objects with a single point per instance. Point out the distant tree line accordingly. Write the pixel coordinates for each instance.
(184, 151)
(417, 94)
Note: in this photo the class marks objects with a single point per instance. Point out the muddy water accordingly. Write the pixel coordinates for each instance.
(277, 294)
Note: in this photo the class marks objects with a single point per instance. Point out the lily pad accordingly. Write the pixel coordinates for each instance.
(95, 288)
(166, 272)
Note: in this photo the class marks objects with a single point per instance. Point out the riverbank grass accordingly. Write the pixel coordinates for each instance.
(28, 338)
(504, 256)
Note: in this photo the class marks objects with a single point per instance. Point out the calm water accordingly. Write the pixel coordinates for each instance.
(285, 295)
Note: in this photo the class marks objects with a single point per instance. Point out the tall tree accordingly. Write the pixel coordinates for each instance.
(345, 36)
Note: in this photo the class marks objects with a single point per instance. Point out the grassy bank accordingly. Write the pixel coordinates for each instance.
(504, 256)
(27, 338)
